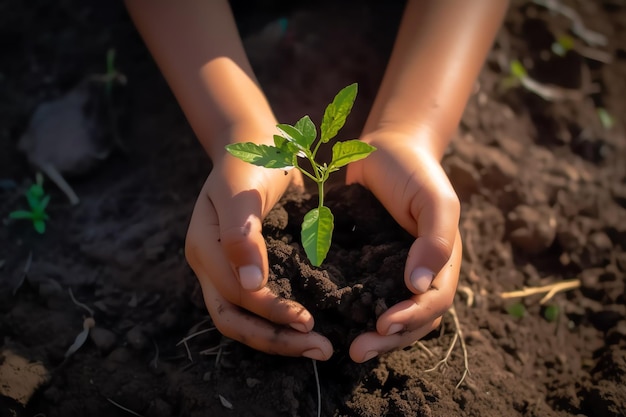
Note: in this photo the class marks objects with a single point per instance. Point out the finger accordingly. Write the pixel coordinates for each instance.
(437, 217)
(207, 258)
(371, 344)
(260, 334)
(242, 240)
(423, 308)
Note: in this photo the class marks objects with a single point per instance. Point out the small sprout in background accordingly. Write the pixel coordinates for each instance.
(518, 76)
(517, 69)
(112, 74)
(297, 142)
(37, 201)
(605, 118)
(551, 312)
(517, 72)
(563, 45)
(516, 310)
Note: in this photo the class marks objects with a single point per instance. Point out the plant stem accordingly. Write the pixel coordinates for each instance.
(320, 187)
(317, 146)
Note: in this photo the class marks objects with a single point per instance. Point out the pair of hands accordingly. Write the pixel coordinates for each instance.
(227, 252)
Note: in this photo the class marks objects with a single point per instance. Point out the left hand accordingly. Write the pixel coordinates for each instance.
(411, 184)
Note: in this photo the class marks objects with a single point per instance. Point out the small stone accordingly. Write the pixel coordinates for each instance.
(159, 408)
(532, 230)
(167, 319)
(252, 382)
(117, 358)
(63, 134)
(104, 339)
(136, 338)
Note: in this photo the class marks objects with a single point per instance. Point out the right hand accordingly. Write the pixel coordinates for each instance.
(227, 252)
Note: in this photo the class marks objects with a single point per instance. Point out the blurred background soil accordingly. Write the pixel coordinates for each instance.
(542, 182)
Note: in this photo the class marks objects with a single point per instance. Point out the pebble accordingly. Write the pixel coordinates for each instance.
(159, 408)
(117, 358)
(136, 338)
(104, 339)
(533, 230)
(62, 134)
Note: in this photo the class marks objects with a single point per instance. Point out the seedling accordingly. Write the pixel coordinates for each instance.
(551, 313)
(605, 118)
(298, 142)
(38, 201)
(518, 76)
(516, 310)
(112, 74)
(563, 45)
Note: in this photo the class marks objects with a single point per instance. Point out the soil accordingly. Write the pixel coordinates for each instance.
(543, 191)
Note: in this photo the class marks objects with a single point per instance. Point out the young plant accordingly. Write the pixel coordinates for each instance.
(299, 141)
(37, 201)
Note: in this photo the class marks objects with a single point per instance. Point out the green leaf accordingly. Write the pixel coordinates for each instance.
(518, 70)
(292, 134)
(286, 146)
(21, 214)
(349, 151)
(317, 233)
(261, 155)
(40, 226)
(337, 112)
(551, 313)
(44, 202)
(516, 310)
(35, 190)
(605, 118)
(306, 126)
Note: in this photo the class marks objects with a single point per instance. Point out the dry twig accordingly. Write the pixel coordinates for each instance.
(550, 290)
(128, 410)
(578, 27)
(458, 335)
(191, 336)
(319, 389)
(79, 304)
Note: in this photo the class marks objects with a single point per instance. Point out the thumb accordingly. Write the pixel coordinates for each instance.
(242, 239)
(437, 225)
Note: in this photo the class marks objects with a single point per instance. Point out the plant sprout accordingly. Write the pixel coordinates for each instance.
(37, 201)
(516, 310)
(299, 141)
(563, 45)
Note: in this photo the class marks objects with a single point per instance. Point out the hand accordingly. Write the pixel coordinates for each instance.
(410, 182)
(226, 250)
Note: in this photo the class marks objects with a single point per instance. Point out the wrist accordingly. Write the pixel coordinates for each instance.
(423, 137)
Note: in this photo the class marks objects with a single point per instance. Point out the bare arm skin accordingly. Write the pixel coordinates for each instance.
(198, 49)
(440, 49)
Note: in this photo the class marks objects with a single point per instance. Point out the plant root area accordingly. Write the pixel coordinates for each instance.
(102, 316)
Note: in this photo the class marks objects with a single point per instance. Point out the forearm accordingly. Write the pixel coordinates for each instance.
(198, 49)
(439, 51)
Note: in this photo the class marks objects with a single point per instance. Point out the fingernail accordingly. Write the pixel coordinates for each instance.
(395, 328)
(314, 354)
(299, 327)
(421, 278)
(250, 277)
(370, 355)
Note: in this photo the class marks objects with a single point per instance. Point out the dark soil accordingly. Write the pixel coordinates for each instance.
(543, 191)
